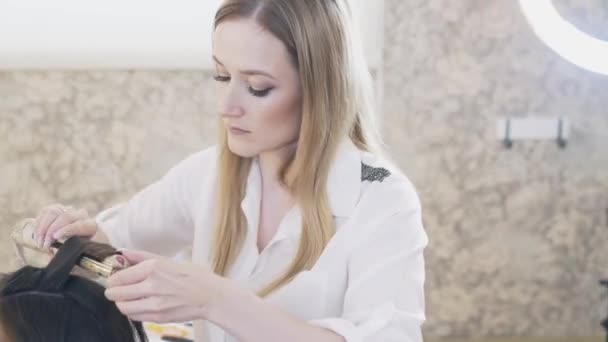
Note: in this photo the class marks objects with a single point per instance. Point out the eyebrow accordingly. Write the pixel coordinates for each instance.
(249, 72)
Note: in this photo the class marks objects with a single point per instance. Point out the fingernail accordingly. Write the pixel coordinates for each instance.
(121, 260)
(58, 235)
(47, 243)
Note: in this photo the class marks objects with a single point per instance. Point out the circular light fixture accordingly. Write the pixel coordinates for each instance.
(564, 38)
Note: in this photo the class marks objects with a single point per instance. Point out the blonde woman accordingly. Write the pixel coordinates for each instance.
(299, 230)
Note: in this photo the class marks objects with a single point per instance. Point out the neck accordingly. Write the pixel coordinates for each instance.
(271, 163)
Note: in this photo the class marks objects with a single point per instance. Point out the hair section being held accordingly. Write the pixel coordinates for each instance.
(52, 304)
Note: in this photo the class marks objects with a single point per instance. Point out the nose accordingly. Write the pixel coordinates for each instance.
(230, 106)
(232, 112)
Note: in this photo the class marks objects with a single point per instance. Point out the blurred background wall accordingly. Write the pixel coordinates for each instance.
(518, 237)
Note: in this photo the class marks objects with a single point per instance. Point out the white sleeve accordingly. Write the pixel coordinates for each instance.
(384, 300)
(159, 219)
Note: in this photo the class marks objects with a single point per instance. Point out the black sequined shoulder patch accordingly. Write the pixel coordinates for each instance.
(372, 174)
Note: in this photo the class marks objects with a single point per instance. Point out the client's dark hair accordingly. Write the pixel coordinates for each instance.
(51, 305)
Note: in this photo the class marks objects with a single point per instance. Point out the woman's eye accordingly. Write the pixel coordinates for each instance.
(220, 78)
(252, 91)
(259, 93)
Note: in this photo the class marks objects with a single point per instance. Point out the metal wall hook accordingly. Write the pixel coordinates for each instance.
(508, 142)
(561, 141)
(553, 129)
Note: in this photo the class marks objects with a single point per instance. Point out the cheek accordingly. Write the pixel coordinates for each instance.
(274, 122)
(281, 118)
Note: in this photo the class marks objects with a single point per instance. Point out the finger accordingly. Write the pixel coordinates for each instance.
(178, 314)
(130, 275)
(147, 305)
(37, 223)
(60, 221)
(78, 213)
(84, 228)
(136, 257)
(47, 219)
(38, 228)
(130, 292)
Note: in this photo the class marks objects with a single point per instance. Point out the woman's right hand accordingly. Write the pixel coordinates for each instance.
(56, 222)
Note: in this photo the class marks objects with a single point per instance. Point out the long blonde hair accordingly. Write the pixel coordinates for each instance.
(336, 103)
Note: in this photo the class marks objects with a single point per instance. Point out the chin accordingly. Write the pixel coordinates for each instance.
(242, 149)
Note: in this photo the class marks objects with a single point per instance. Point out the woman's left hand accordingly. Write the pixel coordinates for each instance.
(157, 289)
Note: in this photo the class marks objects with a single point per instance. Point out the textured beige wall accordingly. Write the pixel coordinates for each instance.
(517, 236)
(93, 138)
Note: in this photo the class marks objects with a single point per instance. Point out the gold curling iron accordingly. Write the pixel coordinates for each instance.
(22, 236)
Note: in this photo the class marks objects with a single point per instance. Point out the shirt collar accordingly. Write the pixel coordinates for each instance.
(343, 183)
(343, 191)
(344, 179)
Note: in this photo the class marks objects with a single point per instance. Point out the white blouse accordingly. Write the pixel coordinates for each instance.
(368, 284)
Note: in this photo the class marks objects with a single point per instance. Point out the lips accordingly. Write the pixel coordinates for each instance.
(238, 130)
